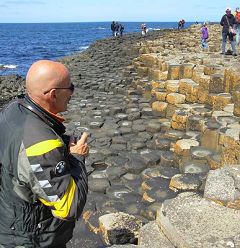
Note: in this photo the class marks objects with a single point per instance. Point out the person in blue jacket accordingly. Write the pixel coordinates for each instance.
(121, 28)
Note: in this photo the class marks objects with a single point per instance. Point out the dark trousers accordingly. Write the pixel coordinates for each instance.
(224, 41)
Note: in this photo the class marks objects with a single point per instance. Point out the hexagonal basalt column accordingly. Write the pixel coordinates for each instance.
(211, 69)
(221, 101)
(159, 108)
(179, 120)
(216, 83)
(186, 70)
(231, 79)
(173, 71)
(236, 101)
(175, 98)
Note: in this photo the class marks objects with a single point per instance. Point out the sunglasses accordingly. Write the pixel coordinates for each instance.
(71, 87)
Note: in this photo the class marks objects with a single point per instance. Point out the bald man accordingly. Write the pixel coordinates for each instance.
(43, 177)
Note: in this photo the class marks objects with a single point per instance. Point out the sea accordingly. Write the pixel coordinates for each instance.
(21, 44)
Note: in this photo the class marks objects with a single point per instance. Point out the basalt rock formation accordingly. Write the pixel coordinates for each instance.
(164, 118)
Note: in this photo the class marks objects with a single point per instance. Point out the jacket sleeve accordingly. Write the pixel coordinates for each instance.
(222, 21)
(55, 178)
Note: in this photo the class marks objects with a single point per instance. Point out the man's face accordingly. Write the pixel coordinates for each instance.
(63, 96)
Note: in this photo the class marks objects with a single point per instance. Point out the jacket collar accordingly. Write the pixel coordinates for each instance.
(50, 119)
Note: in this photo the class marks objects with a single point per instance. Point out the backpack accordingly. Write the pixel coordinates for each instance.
(237, 17)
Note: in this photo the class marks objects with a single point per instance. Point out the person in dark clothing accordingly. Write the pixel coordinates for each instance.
(121, 28)
(228, 20)
(43, 176)
(113, 28)
(181, 24)
(117, 26)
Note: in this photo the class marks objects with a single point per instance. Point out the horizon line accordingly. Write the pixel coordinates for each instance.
(103, 22)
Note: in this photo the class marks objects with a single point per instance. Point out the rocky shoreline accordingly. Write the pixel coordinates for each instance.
(163, 115)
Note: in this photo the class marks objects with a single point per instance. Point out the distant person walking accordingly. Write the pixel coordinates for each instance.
(204, 36)
(228, 21)
(117, 26)
(113, 28)
(237, 26)
(144, 29)
(121, 28)
(181, 24)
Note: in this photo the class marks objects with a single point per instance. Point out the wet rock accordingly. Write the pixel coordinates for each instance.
(156, 182)
(168, 172)
(98, 184)
(153, 127)
(150, 173)
(185, 182)
(200, 152)
(167, 159)
(194, 166)
(88, 240)
(158, 195)
(151, 158)
(119, 228)
(135, 165)
(114, 172)
(117, 191)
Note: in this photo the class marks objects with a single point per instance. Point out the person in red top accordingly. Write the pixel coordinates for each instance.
(237, 25)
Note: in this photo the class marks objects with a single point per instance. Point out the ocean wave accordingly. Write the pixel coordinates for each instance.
(100, 28)
(155, 29)
(83, 47)
(8, 66)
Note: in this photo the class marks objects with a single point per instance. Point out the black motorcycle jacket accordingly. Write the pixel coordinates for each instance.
(43, 187)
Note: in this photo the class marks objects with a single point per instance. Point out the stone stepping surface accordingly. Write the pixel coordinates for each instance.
(161, 117)
(192, 221)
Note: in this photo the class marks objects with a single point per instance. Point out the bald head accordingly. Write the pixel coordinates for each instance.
(44, 75)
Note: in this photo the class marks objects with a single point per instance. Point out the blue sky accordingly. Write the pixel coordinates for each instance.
(108, 10)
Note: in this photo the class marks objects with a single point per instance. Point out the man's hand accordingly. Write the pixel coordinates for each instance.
(81, 147)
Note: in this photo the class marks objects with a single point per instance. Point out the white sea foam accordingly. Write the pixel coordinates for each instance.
(155, 29)
(84, 47)
(100, 28)
(8, 66)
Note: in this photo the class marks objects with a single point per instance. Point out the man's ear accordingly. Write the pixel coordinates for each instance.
(52, 94)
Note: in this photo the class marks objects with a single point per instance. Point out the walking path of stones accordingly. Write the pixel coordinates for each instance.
(160, 111)
(158, 125)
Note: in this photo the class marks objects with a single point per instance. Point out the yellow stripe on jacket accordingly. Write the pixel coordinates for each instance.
(63, 206)
(43, 147)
